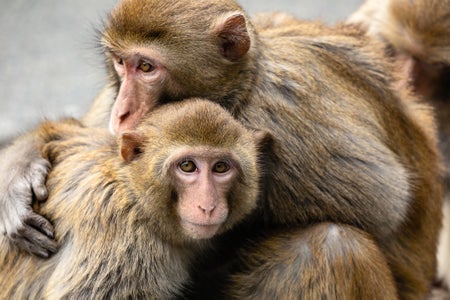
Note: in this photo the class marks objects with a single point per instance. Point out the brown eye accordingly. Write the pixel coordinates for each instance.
(221, 167)
(145, 67)
(187, 166)
(119, 61)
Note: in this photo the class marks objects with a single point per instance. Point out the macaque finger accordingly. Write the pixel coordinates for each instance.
(40, 224)
(36, 236)
(28, 246)
(38, 176)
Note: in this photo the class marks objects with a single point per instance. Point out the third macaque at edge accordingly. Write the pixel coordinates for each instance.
(417, 35)
(351, 184)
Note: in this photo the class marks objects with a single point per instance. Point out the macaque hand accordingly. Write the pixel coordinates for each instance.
(24, 172)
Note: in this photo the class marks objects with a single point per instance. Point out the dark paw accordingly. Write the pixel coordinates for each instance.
(35, 236)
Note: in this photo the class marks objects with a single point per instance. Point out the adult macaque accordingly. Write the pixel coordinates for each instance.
(131, 214)
(270, 20)
(354, 157)
(417, 36)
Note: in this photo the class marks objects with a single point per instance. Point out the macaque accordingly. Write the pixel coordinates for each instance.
(270, 20)
(417, 36)
(354, 155)
(131, 214)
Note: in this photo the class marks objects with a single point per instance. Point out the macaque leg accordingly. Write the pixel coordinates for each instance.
(325, 261)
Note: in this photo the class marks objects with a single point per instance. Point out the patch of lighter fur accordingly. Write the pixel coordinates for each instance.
(443, 253)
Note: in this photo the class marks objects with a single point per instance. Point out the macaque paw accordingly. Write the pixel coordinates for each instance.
(34, 235)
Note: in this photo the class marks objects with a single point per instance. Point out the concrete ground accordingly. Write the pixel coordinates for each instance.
(50, 66)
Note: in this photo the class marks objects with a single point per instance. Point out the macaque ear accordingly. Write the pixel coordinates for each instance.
(233, 36)
(131, 146)
(263, 138)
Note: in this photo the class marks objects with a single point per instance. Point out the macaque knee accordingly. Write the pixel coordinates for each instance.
(325, 261)
(351, 262)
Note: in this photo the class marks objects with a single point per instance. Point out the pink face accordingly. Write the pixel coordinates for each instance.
(142, 75)
(204, 180)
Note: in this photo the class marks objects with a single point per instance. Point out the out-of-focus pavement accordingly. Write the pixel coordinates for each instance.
(50, 66)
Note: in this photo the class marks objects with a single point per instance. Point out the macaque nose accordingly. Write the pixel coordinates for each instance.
(207, 210)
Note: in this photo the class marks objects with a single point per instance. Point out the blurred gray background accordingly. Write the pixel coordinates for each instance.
(50, 66)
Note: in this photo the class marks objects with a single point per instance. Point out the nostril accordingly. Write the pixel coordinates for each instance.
(124, 116)
(208, 210)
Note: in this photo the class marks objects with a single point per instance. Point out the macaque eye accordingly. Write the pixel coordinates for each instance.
(146, 67)
(187, 166)
(119, 61)
(221, 167)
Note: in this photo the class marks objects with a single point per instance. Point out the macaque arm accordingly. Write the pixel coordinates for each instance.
(24, 174)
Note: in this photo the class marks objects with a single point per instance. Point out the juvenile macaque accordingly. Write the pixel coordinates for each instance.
(131, 214)
(354, 155)
(417, 36)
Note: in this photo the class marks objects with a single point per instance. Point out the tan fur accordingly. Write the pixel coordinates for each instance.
(116, 222)
(270, 20)
(350, 150)
(350, 144)
(417, 36)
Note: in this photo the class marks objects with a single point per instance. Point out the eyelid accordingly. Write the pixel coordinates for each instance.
(114, 54)
(227, 160)
(184, 159)
(144, 59)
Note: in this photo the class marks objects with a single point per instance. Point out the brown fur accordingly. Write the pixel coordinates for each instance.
(115, 220)
(349, 145)
(417, 36)
(353, 148)
(358, 267)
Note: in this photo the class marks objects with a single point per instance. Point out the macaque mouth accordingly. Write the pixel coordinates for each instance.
(202, 224)
(200, 231)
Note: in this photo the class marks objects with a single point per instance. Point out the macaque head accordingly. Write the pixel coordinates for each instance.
(163, 51)
(419, 33)
(194, 168)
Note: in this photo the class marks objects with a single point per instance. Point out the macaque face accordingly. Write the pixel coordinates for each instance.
(204, 178)
(193, 168)
(156, 57)
(142, 76)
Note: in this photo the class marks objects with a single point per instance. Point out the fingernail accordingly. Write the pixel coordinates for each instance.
(43, 254)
